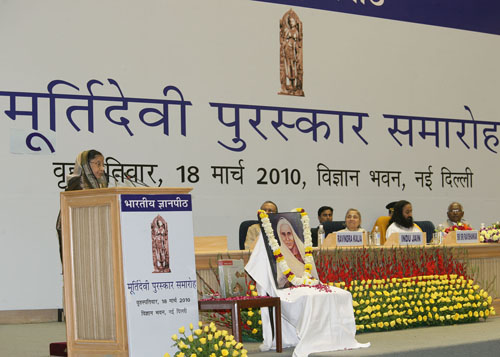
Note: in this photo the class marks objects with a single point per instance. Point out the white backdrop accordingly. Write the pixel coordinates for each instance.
(227, 51)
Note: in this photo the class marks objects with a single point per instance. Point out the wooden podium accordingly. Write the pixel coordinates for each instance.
(94, 288)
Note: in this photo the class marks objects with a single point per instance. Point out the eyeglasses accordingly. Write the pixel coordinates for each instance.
(455, 211)
(99, 164)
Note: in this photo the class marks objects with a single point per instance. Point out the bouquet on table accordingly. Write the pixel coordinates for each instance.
(490, 234)
(457, 227)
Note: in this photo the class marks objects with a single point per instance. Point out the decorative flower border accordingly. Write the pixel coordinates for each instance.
(431, 300)
(306, 279)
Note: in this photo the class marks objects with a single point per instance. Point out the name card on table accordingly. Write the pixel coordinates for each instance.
(461, 237)
(413, 238)
(467, 237)
(345, 239)
(349, 239)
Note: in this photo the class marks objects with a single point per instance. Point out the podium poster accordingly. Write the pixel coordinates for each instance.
(159, 270)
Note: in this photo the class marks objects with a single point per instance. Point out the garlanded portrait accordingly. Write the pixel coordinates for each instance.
(288, 231)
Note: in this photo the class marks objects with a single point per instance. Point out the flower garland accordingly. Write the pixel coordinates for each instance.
(306, 279)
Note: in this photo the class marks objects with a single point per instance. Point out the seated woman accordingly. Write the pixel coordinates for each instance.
(88, 173)
(352, 221)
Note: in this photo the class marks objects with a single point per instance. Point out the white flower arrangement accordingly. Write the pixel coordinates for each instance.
(490, 234)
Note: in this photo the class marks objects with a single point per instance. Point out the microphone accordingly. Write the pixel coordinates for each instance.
(114, 178)
(129, 177)
(121, 178)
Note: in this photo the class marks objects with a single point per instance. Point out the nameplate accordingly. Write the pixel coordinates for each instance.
(349, 239)
(466, 237)
(414, 238)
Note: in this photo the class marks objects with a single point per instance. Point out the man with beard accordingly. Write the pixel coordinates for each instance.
(402, 220)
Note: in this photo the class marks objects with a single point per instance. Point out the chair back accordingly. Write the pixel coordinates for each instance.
(243, 231)
(427, 227)
(333, 226)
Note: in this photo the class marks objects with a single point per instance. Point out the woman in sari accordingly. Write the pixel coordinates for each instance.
(88, 173)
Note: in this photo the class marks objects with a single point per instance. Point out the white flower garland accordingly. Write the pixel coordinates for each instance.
(306, 279)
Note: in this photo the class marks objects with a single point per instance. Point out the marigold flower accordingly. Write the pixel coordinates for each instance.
(224, 352)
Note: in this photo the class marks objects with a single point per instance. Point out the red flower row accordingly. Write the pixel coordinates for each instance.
(368, 264)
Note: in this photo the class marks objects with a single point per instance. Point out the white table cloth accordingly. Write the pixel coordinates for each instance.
(312, 320)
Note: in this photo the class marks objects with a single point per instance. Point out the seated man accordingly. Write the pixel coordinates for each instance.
(325, 214)
(402, 220)
(254, 230)
(455, 215)
(383, 221)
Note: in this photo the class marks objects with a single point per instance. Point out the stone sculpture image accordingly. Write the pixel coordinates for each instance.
(159, 240)
(291, 58)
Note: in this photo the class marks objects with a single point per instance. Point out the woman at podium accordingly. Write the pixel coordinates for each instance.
(88, 173)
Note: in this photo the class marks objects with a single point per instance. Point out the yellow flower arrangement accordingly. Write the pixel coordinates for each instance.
(426, 301)
(206, 343)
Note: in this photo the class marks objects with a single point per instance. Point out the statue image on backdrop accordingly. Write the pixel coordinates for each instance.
(291, 59)
(159, 240)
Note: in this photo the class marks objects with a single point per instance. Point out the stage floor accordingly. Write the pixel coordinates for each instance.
(482, 339)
